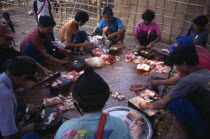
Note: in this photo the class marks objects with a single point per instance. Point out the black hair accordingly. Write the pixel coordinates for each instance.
(184, 54)
(148, 15)
(82, 16)
(46, 21)
(201, 21)
(5, 14)
(19, 67)
(91, 109)
(107, 11)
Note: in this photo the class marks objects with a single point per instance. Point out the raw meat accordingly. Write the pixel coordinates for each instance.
(118, 96)
(137, 88)
(51, 118)
(52, 101)
(129, 56)
(132, 114)
(97, 52)
(95, 62)
(143, 67)
(162, 69)
(148, 93)
(108, 59)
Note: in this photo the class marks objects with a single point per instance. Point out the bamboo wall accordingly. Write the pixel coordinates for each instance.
(173, 16)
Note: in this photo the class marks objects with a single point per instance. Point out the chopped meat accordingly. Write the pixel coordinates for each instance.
(162, 69)
(137, 88)
(51, 118)
(52, 101)
(108, 59)
(132, 114)
(97, 52)
(118, 96)
(148, 93)
(143, 67)
(129, 56)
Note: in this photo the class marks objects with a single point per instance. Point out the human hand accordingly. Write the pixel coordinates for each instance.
(150, 45)
(155, 82)
(47, 72)
(110, 36)
(86, 44)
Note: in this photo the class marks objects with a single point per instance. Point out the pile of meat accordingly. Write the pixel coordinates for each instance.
(143, 67)
(149, 95)
(162, 69)
(129, 56)
(137, 88)
(97, 52)
(73, 75)
(60, 102)
(109, 59)
(134, 116)
(118, 96)
(51, 118)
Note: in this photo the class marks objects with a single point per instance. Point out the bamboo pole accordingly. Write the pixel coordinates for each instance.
(98, 11)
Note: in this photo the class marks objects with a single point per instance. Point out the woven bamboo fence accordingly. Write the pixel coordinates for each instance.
(173, 16)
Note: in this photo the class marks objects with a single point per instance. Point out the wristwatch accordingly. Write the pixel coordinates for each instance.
(27, 109)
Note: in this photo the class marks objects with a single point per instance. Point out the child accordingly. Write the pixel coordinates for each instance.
(6, 17)
(112, 27)
(71, 35)
(147, 32)
(198, 31)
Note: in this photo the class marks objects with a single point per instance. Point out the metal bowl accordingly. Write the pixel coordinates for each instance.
(121, 112)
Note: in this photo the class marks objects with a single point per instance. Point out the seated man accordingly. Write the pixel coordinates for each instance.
(7, 52)
(203, 55)
(70, 33)
(189, 100)
(147, 32)
(112, 27)
(38, 46)
(198, 31)
(18, 74)
(91, 93)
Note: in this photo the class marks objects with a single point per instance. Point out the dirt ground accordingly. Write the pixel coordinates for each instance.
(165, 128)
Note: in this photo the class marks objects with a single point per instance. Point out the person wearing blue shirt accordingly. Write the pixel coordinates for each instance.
(112, 27)
(198, 31)
(90, 93)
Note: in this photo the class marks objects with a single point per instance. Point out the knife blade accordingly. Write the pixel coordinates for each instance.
(52, 78)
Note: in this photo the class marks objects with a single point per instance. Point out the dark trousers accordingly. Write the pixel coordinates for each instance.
(78, 38)
(188, 115)
(31, 51)
(144, 41)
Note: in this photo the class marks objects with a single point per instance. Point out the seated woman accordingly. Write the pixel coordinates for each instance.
(147, 32)
(112, 27)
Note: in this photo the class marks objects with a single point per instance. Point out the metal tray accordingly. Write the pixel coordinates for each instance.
(121, 112)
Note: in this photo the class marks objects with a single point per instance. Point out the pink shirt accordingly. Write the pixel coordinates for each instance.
(142, 27)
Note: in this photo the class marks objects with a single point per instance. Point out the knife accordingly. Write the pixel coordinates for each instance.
(52, 78)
